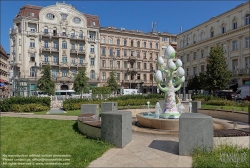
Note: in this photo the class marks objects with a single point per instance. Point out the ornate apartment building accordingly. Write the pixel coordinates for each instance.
(56, 35)
(5, 87)
(132, 56)
(231, 31)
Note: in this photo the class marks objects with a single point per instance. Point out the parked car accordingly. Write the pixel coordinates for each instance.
(226, 94)
(243, 93)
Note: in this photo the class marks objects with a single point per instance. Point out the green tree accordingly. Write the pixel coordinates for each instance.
(194, 84)
(217, 75)
(45, 83)
(81, 82)
(112, 82)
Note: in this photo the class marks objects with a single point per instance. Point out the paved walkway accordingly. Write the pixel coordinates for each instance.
(149, 148)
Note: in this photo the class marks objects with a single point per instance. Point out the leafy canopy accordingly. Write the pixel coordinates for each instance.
(112, 82)
(81, 82)
(45, 83)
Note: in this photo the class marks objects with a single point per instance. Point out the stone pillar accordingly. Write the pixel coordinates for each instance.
(90, 109)
(195, 106)
(109, 106)
(195, 130)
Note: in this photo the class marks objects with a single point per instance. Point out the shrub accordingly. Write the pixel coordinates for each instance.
(28, 107)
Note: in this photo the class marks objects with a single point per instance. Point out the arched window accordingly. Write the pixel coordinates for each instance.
(72, 33)
(110, 41)
(223, 28)
(138, 43)
(202, 35)
(234, 24)
(145, 44)
(92, 74)
(32, 72)
(132, 43)
(212, 32)
(81, 34)
(64, 32)
(46, 31)
(54, 31)
(247, 19)
(118, 41)
(64, 44)
(103, 39)
(194, 38)
(50, 16)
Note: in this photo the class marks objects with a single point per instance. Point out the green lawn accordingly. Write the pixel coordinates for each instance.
(245, 109)
(48, 137)
(224, 156)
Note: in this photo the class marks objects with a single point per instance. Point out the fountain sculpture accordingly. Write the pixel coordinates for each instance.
(174, 79)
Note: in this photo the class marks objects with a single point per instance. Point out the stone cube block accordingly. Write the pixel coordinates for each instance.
(195, 130)
(195, 106)
(109, 106)
(116, 127)
(90, 109)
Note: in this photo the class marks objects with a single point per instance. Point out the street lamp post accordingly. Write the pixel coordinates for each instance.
(152, 72)
(35, 67)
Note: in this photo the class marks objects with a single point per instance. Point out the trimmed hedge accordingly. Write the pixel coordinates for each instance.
(6, 104)
(29, 107)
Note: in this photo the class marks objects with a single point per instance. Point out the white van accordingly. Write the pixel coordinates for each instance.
(243, 93)
(129, 91)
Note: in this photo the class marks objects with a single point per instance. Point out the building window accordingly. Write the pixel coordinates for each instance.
(125, 64)
(103, 63)
(138, 54)
(132, 43)
(247, 60)
(194, 71)
(46, 45)
(151, 55)
(151, 66)
(202, 53)
(212, 34)
(111, 52)
(55, 59)
(64, 45)
(64, 72)
(138, 65)
(247, 42)
(118, 76)
(223, 29)
(118, 64)
(73, 72)
(32, 57)
(145, 66)
(247, 19)
(81, 47)
(187, 57)
(164, 39)
(81, 34)
(92, 61)
(46, 31)
(72, 46)
(118, 41)
(138, 43)
(73, 60)
(111, 63)
(202, 68)
(151, 45)
(125, 53)
(125, 76)
(92, 74)
(235, 47)
(138, 76)
(145, 44)
(125, 42)
(92, 23)
(76, 20)
(64, 16)
(118, 53)
(55, 45)
(234, 25)
(187, 71)
(235, 64)
(92, 34)
(202, 36)
(156, 45)
(145, 55)
(132, 53)
(81, 60)
(64, 59)
(103, 40)
(32, 43)
(145, 77)
(194, 56)
(32, 30)
(50, 16)
(103, 75)
(46, 58)
(103, 51)
(54, 73)
(72, 34)
(32, 72)
(92, 49)
(110, 41)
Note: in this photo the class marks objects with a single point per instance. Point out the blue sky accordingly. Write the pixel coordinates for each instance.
(136, 15)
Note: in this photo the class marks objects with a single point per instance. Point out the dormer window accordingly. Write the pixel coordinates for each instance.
(77, 20)
(64, 16)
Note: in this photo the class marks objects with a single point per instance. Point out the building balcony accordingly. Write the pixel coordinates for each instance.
(243, 71)
(82, 64)
(45, 48)
(132, 58)
(50, 35)
(235, 72)
(133, 81)
(74, 51)
(81, 51)
(45, 63)
(94, 80)
(32, 33)
(80, 37)
(54, 63)
(54, 49)
(73, 64)
(132, 69)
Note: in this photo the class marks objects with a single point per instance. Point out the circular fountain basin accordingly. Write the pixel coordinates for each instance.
(148, 120)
